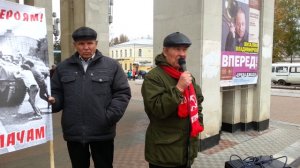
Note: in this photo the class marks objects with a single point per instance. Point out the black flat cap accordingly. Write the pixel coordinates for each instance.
(176, 39)
(84, 33)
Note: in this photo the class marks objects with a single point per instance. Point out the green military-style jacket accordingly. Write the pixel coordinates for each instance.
(167, 135)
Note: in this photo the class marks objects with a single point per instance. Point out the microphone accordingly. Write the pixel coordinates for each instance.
(182, 63)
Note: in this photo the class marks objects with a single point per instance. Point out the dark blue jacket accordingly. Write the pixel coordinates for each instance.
(92, 102)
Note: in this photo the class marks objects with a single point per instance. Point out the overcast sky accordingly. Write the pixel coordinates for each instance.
(133, 18)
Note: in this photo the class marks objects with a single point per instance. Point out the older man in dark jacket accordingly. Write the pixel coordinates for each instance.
(93, 93)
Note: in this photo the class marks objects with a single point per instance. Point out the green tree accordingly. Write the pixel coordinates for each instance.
(286, 29)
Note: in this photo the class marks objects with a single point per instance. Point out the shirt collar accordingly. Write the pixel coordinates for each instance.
(82, 60)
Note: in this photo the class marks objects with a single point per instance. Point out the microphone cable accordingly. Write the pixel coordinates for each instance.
(252, 162)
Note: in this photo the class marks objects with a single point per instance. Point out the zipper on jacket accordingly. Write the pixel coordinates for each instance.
(83, 136)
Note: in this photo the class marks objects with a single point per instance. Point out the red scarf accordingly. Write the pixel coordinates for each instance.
(188, 104)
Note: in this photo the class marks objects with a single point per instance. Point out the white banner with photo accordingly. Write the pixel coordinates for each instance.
(25, 115)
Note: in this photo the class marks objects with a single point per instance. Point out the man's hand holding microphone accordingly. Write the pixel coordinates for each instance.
(185, 78)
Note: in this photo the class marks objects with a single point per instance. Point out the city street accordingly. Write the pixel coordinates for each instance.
(129, 143)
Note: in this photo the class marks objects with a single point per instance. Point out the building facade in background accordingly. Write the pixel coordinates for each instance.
(134, 55)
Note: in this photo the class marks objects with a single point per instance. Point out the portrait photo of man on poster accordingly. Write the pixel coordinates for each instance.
(235, 25)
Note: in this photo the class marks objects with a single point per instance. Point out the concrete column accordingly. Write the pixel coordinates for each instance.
(262, 93)
(237, 108)
(254, 111)
(201, 22)
(77, 13)
(211, 24)
(246, 107)
(231, 108)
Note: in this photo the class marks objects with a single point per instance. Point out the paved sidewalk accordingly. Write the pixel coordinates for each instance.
(281, 139)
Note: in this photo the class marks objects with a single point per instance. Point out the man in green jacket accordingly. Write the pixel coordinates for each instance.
(172, 101)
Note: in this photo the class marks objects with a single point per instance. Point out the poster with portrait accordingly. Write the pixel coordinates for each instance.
(240, 42)
(25, 116)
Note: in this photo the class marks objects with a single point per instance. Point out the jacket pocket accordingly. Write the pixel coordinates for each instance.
(69, 85)
(169, 147)
(101, 84)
